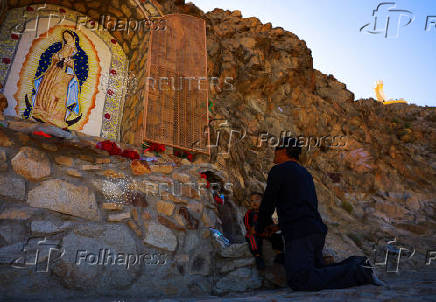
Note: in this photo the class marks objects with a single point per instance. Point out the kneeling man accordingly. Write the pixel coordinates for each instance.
(291, 190)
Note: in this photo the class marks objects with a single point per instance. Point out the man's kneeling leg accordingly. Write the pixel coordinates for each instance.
(302, 273)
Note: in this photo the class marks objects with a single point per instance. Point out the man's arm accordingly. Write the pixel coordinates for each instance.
(269, 200)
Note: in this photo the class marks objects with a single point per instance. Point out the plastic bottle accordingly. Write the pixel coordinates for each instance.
(223, 241)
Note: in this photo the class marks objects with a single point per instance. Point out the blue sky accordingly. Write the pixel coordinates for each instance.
(331, 28)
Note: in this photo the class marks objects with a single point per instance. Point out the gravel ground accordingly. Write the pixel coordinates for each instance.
(406, 286)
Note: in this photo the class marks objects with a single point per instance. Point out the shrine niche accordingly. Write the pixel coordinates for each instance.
(176, 94)
(62, 74)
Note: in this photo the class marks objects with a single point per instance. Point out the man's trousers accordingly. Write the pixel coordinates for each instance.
(306, 271)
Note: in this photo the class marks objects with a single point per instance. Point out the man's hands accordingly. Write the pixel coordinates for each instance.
(269, 230)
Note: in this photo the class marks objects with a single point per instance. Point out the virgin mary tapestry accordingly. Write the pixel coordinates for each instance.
(64, 79)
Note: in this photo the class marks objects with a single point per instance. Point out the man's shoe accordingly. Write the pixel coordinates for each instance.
(373, 278)
(279, 258)
(367, 264)
(260, 264)
(376, 280)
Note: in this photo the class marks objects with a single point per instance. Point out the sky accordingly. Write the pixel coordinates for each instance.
(404, 59)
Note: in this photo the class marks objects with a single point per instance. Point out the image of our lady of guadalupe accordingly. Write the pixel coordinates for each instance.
(62, 70)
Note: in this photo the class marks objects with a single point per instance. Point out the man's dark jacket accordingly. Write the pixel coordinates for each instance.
(290, 188)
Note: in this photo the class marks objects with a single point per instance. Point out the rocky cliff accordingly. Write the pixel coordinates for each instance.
(375, 183)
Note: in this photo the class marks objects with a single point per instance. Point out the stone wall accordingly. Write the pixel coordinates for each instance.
(58, 190)
(132, 122)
